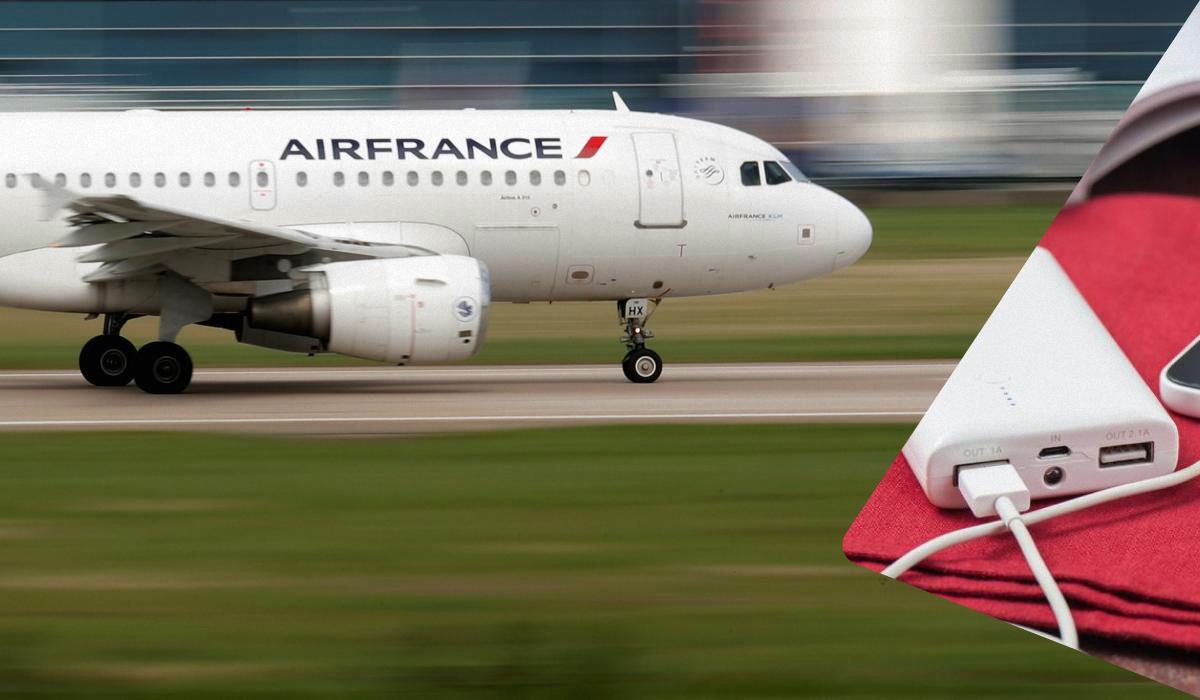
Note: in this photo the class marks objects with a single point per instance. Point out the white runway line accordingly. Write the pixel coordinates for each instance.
(549, 418)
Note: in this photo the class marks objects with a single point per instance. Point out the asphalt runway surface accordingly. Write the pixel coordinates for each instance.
(387, 400)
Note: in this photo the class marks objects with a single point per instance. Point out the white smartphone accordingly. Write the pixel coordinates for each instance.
(1179, 382)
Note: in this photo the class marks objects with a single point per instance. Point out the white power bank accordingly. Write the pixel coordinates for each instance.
(1045, 388)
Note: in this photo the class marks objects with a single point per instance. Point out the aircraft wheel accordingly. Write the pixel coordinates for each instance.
(108, 360)
(642, 366)
(163, 368)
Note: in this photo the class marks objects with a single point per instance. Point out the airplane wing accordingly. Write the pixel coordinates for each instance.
(134, 239)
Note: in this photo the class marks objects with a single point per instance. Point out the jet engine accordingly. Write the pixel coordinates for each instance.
(399, 310)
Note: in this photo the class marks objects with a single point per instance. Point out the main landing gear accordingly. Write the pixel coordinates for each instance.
(110, 360)
(163, 368)
(641, 364)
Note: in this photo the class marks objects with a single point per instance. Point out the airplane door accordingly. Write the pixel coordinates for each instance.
(262, 185)
(659, 183)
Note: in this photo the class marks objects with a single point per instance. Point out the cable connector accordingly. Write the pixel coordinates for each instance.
(983, 484)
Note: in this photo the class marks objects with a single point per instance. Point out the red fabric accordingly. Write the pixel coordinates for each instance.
(1130, 569)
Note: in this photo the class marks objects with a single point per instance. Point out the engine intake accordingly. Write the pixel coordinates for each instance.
(402, 310)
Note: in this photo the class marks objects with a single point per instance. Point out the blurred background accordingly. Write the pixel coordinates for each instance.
(919, 92)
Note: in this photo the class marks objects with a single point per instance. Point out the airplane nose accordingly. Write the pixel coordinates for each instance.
(854, 235)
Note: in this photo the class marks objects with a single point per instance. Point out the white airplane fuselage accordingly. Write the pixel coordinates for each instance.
(559, 205)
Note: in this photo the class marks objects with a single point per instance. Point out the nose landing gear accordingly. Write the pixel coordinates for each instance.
(641, 364)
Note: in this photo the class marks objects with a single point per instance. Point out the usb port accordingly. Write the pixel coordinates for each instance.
(1125, 455)
(1055, 452)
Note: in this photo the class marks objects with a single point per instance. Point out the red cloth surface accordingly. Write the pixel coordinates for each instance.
(1131, 568)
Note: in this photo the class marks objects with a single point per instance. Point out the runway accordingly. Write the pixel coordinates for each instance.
(384, 400)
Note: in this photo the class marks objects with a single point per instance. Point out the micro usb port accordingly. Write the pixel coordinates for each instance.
(1055, 452)
(1126, 455)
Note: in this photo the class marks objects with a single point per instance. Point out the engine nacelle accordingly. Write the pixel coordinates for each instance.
(400, 310)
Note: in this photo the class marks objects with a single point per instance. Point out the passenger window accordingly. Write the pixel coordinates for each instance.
(301, 179)
(10, 181)
(135, 179)
(364, 178)
(461, 177)
(776, 175)
(389, 178)
(510, 177)
(436, 178)
(485, 177)
(585, 178)
(36, 181)
(60, 180)
(185, 179)
(261, 179)
(560, 178)
(160, 180)
(339, 178)
(85, 180)
(751, 177)
(110, 180)
(413, 178)
(234, 179)
(209, 179)
(535, 177)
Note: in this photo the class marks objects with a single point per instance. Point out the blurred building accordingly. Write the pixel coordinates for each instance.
(907, 92)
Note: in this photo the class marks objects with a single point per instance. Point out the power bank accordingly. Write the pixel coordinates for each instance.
(1045, 388)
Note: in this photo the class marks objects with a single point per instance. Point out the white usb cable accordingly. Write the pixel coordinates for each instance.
(932, 547)
(1058, 602)
(995, 488)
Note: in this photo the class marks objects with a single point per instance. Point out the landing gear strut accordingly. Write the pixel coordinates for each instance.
(641, 364)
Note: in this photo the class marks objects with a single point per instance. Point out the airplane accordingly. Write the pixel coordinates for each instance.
(386, 235)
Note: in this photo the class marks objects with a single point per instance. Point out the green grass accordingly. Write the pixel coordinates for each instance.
(665, 562)
(928, 233)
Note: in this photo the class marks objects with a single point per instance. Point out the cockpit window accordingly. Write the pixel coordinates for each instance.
(795, 172)
(776, 175)
(750, 174)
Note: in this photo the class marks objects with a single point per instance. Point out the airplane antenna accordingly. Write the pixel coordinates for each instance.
(619, 103)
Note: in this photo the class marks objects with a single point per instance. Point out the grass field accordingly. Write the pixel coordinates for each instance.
(587, 563)
(922, 292)
(937, 233)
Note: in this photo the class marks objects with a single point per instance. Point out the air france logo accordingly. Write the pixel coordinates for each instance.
(592, 147)
(519, 148)
(464, 308)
